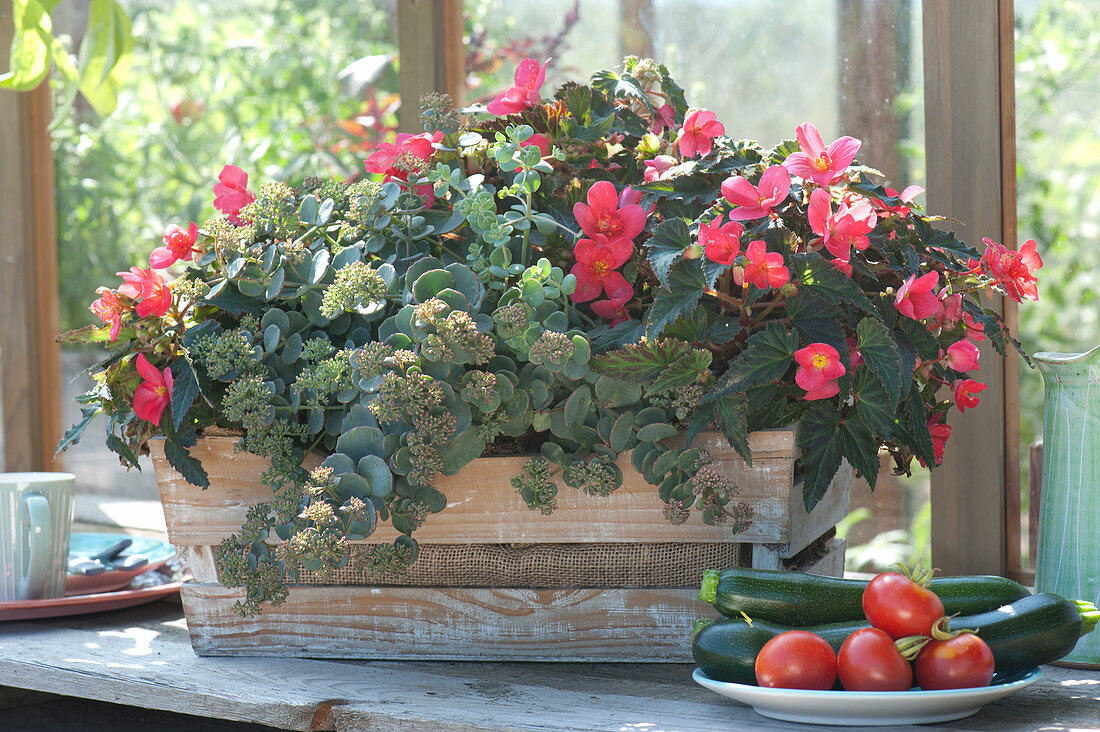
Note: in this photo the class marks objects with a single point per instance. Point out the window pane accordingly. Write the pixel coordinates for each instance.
(1058, 185)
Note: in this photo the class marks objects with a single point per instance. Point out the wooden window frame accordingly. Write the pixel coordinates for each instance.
(970, 144)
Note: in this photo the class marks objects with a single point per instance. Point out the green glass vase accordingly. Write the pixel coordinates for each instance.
(1069, 521)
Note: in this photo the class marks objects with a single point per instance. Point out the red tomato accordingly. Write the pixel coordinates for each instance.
(898, 605)
(962, 662)
(869, 661)
(796, 659)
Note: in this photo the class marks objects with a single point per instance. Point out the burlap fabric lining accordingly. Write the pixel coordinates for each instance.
(546, 566)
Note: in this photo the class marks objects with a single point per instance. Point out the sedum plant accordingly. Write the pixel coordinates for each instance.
(598, 275)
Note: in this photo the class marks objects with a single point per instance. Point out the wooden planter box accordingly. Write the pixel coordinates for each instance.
(530, 622)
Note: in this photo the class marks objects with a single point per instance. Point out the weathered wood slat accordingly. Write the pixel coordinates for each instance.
(631, 514)
(514, 624)
(451, 624)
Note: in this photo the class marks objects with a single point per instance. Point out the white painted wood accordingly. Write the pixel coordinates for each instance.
(141, 657)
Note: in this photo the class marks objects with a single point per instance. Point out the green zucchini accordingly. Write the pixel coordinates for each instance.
(796, 598)
(1034, 630)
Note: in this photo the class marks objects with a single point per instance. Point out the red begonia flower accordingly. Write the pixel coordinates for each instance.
(154, 393)
(963, 356)
(1014, 271)
(178, 244)
(816, 162)
(975, 331)
(540, 141)
(819, 368)
(524, 93)
(966, 393)
(664, 117)
(915, 299)
(109, 309)
(697, 135)
(604, 216)
(231, 193)
(763, 268)
(405, 155)
(613, 309)
(846, 228)
(597, 260)
(721, 243)
(150, 288)
(757, 201)
(657, 168)
(940, 432)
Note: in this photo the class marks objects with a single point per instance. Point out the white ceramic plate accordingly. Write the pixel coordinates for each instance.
(867, 708)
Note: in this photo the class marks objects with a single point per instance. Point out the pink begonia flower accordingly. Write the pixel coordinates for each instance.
(963, 356)
(721, 243)
(940, 432)
(540, 141)
(406, 154)
(915, 299)
(628, 196)
(1014, 271)
(843, 229)
(657, 168)
(664, 117)
(844, 267)
(819, 368)
(597, 259)
(975, 331)
(231, 193)
(529, 76)
(109, 309)
(816, 162)
(150, 287)
(178, 244)
(966, 393)
(764, 269)
(154, 393)
(855, 358)
(757, 201)
(902, 209)
(949, 317)
(602, 214)
(613, 310)
(697, 135)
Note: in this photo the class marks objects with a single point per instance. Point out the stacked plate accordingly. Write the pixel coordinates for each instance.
(120, 580)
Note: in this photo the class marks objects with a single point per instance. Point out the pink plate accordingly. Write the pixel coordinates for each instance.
(83, 604)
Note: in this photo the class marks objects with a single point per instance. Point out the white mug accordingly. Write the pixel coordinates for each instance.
(36, 518)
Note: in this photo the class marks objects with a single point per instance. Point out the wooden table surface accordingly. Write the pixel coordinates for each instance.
(142, 658)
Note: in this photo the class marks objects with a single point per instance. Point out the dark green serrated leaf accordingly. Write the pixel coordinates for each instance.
(861, 449)
(73, 434)
(685, 286)
(641, 363)
(666, 247)
(185, 388)
(819, 438)
(817, 321)
(116, 445)
(185, 464)
(825, 280)
(731, 413)
(913, 428)
(881, 355)
(874, 405)
(767, 356)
